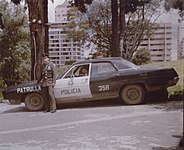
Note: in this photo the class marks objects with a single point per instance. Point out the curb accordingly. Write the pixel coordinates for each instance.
(5, 101)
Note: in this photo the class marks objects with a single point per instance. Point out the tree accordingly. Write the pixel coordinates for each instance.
(115, 39)
(141, 57)
(38, 18)
(14, 44)
(1, 22)
(118, 10)
(80, 4)
(95, 26)
(175, 4)
(139, 25)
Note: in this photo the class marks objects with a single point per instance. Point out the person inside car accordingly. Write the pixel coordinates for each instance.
(84, 70)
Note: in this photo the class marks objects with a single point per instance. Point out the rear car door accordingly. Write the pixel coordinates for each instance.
(74, 84)
(104, 80)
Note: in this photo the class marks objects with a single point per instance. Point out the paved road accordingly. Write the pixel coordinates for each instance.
(92, 127)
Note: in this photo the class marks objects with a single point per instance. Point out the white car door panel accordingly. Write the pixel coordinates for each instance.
(72, 88)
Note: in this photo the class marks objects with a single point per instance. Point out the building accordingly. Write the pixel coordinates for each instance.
(160, 43)
(180, 42)
(61, 47)
(61, 12)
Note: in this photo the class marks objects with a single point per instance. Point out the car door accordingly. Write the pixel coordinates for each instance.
(104, 81)
(74, 85)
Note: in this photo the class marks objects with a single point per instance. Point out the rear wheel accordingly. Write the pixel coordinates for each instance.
(34, 101)
(132, 94)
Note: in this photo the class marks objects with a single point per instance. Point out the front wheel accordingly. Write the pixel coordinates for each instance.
(14, 102)
(34, 101)
(132, 94)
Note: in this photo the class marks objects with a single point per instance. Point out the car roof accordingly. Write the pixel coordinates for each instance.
(99, 60)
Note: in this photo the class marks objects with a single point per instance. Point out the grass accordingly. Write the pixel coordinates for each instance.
(179, 67)
(1, 97)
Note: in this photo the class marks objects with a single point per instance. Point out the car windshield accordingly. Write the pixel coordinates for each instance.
(63, 71)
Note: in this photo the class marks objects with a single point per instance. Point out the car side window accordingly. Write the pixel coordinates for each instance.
(78, 71)
(102, 67)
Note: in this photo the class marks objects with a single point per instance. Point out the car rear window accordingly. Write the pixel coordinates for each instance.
(123, 64)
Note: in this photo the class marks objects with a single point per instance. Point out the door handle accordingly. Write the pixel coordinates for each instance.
(84, 80)
(116, 75)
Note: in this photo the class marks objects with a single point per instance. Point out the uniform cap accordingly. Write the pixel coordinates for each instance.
(45, 55)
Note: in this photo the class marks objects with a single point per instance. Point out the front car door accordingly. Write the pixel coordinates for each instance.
(74, 85)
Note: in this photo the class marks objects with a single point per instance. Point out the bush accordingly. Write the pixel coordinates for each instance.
(141, 57)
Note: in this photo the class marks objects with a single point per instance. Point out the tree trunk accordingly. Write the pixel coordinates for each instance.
(46, 49)
(39, 34)
(122, 25)
(114, 48)
(122, 18)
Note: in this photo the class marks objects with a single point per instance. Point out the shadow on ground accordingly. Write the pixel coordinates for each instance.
(166, 104)
(16, 110)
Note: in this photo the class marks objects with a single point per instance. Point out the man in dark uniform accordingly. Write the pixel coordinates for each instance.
(48, 81)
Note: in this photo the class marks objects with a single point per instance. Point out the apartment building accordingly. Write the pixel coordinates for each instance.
(160, 43)
(61, 47)
(180, 42)
(181, 45)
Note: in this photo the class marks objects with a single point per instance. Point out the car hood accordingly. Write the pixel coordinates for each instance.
(25, 84)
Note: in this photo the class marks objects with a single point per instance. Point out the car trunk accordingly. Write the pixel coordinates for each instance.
(159, 77)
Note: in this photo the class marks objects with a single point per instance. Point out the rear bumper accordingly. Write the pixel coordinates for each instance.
(173, 82)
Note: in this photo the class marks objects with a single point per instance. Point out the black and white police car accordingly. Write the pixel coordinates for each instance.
(97, 79)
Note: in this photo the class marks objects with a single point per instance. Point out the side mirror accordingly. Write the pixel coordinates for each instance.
(72, 75)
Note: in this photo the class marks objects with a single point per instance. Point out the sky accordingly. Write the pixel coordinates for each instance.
(51, 8)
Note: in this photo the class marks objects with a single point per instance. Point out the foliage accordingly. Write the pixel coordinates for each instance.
(132, 5)
(14, 43)
(92, 27)
(95, 26)
(118, 10)
(80, 4)
(70, 62)
(139, 26)
(175, 4)
(141, 57)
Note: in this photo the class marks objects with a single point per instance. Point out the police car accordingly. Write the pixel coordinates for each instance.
(97, 79)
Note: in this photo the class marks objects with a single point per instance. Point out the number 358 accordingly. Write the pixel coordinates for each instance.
(103, 88)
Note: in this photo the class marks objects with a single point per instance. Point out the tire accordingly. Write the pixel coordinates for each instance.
(14, 102)
(132, 94)
(34, 101)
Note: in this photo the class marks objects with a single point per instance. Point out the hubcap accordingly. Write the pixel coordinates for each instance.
(133, 94)
(35, 101)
